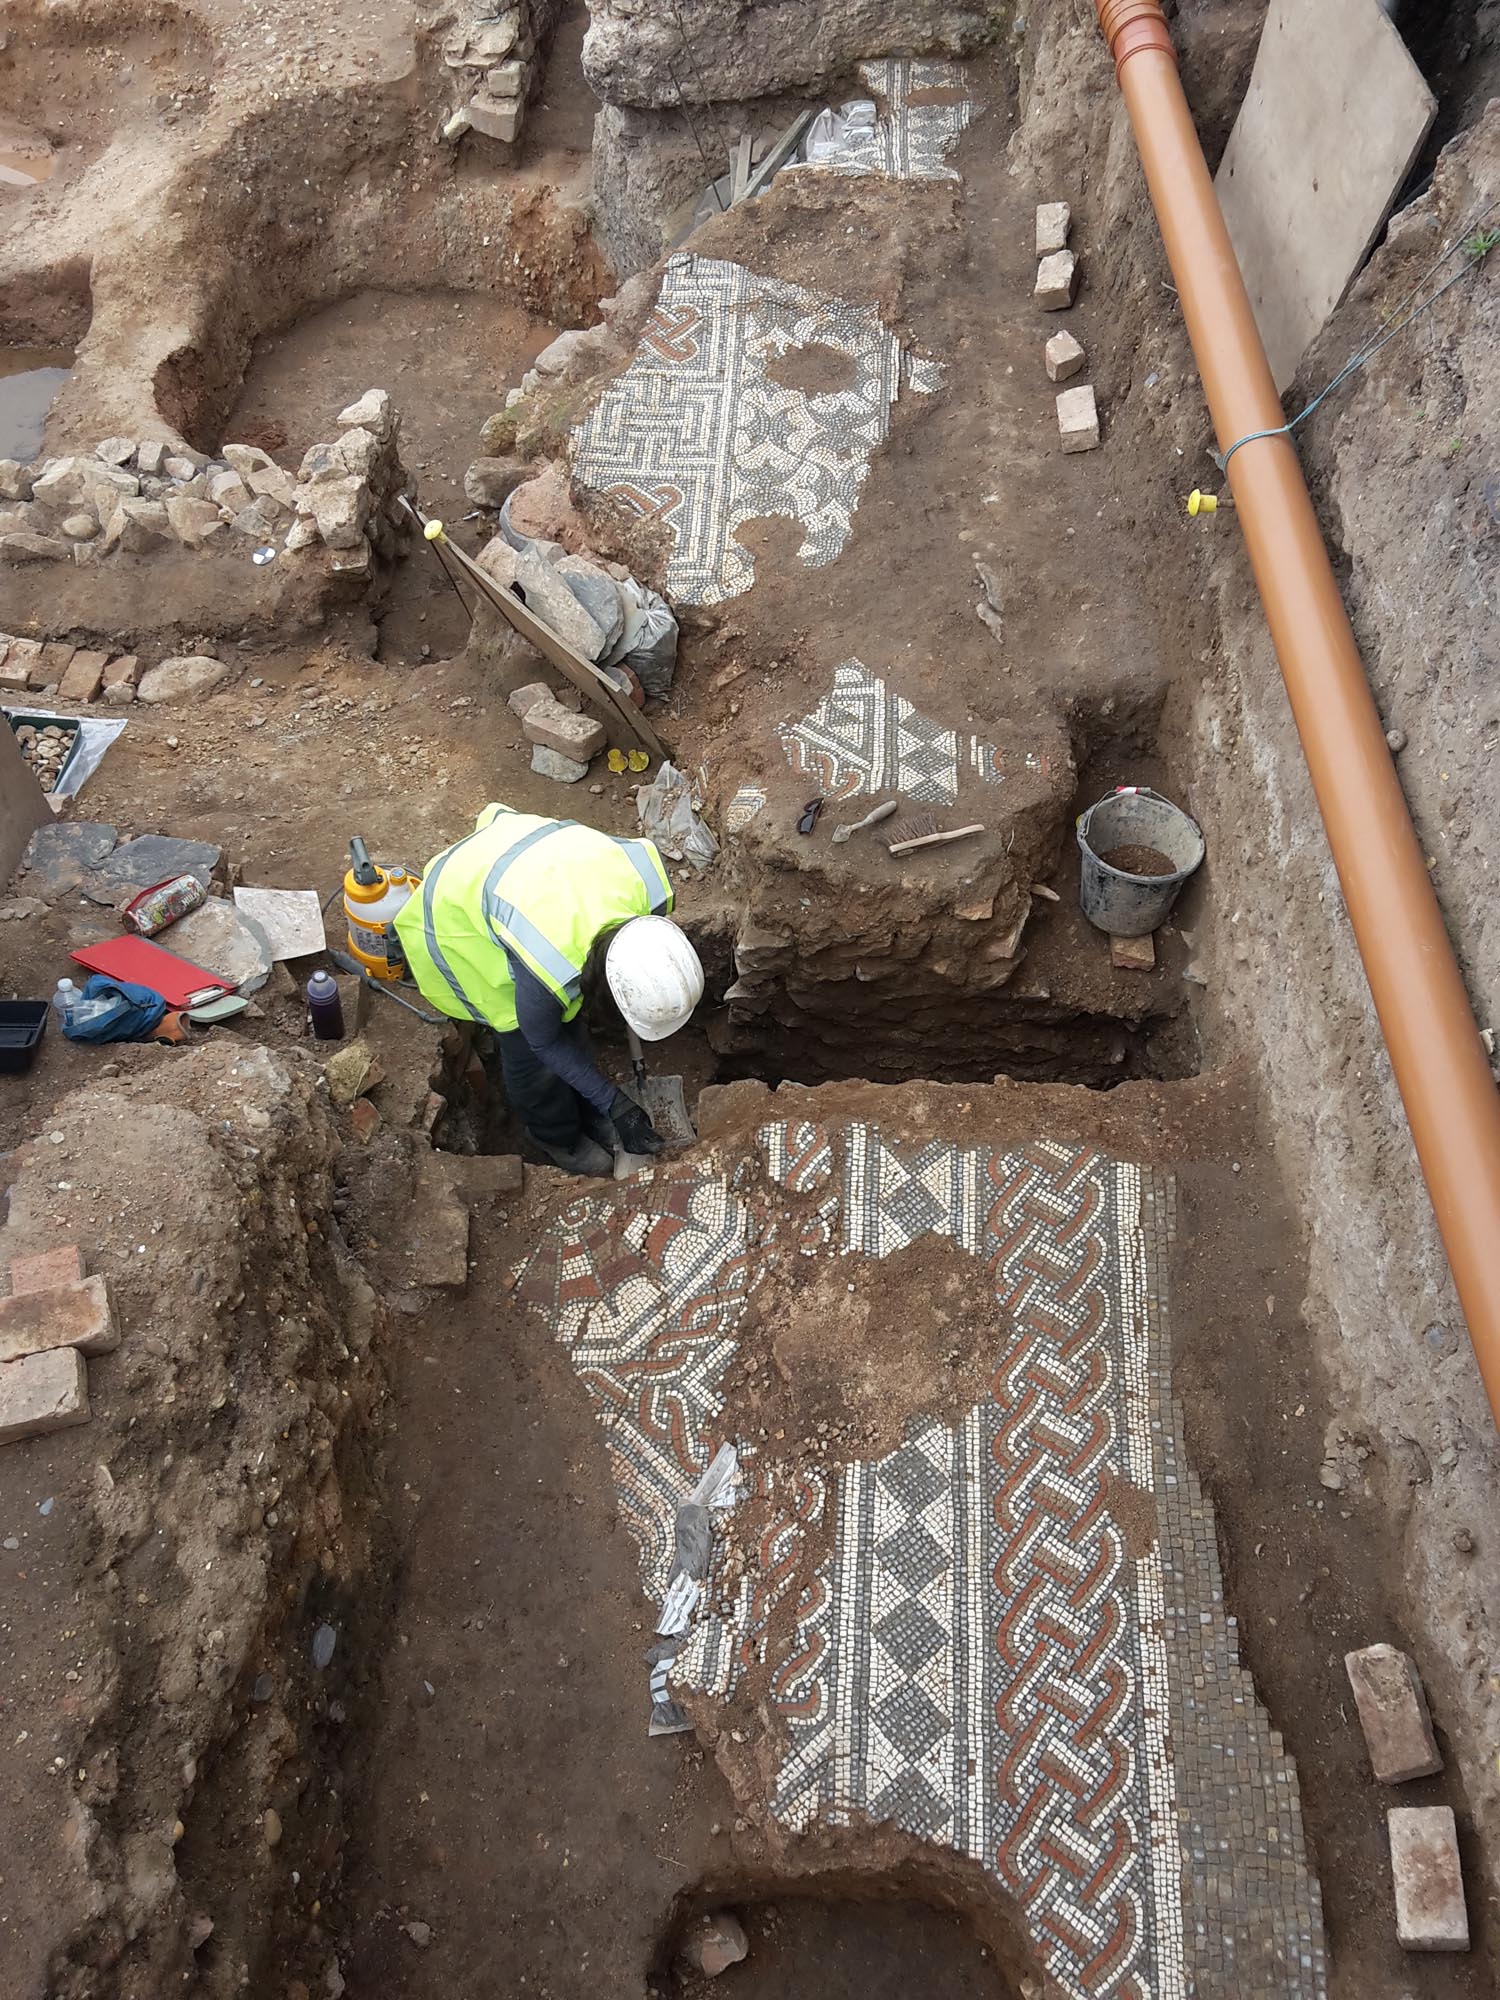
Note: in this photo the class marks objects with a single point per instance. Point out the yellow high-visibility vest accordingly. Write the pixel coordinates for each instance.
(543, 889)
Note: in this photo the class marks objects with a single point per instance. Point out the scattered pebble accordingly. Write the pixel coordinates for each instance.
(324, 1641)
(263, 1689)
(420, 1934)
(270, 1826)
(10, 1542)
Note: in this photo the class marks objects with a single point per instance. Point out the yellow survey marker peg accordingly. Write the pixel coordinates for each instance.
(1202, 503)
(434, 532)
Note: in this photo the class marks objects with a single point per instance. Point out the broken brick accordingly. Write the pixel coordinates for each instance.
(1137, 954)
(49, 1268)
(74, 1315)
(1431, 1914)
(123, 672)
(554, 727)
(365, 1119)
(43, 1392)
(54, 663)
(520, 701)
(1393, 1714)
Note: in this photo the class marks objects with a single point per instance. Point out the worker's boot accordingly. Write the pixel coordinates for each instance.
(585, 1157)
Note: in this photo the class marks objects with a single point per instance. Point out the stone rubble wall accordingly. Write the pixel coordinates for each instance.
(495, 62)
(143, 495)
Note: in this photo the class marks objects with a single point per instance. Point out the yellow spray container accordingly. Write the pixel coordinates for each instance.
(372, 896)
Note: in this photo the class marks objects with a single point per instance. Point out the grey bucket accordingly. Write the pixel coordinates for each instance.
(1131, 905)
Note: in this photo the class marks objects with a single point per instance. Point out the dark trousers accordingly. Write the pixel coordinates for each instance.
(550, 1109)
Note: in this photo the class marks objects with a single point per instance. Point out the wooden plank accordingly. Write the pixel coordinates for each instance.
(584, 675)
(739, 163)
(779, 154)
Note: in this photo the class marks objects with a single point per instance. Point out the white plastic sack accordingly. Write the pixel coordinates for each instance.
(825, 138)
(665, 808)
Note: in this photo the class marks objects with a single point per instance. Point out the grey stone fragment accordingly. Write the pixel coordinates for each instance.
(24, 547)
(545, 594)
(57, 858)
(150, 857)
(324, 1641)
(548, 764)
(598, 594)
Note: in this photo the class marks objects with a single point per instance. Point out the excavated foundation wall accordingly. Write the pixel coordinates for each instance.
(178, 1713)
(1411, 510)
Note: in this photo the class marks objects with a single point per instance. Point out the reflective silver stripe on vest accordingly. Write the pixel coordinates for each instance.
(658, 890)
(507, 917)
(429, 932)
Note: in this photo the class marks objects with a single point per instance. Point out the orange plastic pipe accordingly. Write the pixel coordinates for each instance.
(1440, 1064)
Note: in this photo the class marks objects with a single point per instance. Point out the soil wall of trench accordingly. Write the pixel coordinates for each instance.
(1400, 464)
(191, 1615)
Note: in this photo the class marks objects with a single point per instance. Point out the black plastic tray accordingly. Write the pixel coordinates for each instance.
(22, 1025)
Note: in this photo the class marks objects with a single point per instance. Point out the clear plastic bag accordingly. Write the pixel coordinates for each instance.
(665, 807)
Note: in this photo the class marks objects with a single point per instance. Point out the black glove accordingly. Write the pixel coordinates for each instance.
(637, 1133)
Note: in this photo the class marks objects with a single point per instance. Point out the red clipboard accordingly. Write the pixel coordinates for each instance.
(141, 963)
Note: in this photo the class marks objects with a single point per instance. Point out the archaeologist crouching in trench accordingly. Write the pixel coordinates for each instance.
(506, 929)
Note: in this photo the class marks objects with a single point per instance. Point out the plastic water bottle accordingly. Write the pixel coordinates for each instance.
(64, 1000)
(325, 1006)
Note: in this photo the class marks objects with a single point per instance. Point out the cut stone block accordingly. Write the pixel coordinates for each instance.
(50, 1267)
(84, 678)
(555, 728)
(1133, 954)
(123, 672)
(1053, 221)
(1056, 277)
(1431, 1914)
(45, 1392)
(77, 1315)
(1065, 357)
(14, 672)
(1078, 418)
(496, 117)
(548, 764)
(520, 701)
(1393, 1714)
(438, 1253)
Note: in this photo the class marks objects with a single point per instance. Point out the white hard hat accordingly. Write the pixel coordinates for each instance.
(655, 975)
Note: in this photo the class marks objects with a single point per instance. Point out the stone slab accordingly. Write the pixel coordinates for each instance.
(225, 942)
(59, 857)
(1133, 954)
(1431, 1914)
(75, 1315)
(1393, 1714)
(48, 1268)
(438, 1253)
(1335, 114)
(150, 857)
(45, 1392)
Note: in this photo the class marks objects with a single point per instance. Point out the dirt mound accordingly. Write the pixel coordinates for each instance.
(164, 1606)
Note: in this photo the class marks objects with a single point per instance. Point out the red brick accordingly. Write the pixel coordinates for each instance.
(51, 1267)
(1431, 1914)
(53, 664)
(84, 678)
(44, 1392)
(123, 672)
(76, 1315)
(1393, 1714)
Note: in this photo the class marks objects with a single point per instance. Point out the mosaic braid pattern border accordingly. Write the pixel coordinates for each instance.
(697, 436)
(981, 1660)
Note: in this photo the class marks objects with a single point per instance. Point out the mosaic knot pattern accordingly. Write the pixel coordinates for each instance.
(911, 141)
(980, 1654)
(696, 435)
(863, 737)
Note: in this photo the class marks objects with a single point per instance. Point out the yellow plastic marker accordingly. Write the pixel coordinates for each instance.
(433, 531)
(1197, 503)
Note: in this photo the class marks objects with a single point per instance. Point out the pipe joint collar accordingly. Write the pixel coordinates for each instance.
(1131, 26)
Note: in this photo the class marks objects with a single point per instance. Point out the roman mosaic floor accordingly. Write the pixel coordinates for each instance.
(696, 434)
(1006, 1636)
